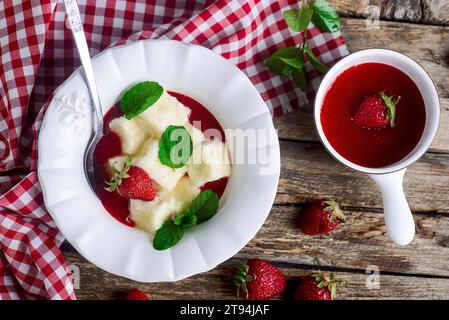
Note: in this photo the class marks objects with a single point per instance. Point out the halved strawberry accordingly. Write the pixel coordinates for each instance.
(377, 112)
(132, 182)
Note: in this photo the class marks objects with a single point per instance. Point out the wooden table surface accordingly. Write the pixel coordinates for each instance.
(420, 29)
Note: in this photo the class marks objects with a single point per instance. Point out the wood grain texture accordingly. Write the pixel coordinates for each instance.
(427, 45)
(309, 172)
(434, 12)
(356, 244)
(217, 284)
(419, 270)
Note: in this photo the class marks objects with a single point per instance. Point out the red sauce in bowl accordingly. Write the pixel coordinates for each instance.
(110, 146)
(373, 148)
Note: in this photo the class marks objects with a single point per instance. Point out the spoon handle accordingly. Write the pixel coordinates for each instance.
(74, 18)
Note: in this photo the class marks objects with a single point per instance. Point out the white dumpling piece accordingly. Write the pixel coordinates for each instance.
(130, 133)
(148, 160)
(164, 112)
(196, 134)
(151, 215)
(209, 162)
(118, 162)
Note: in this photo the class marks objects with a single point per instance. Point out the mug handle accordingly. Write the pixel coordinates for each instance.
(398, 217)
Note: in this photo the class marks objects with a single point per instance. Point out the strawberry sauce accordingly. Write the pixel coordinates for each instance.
(110, 146)
(373, 148)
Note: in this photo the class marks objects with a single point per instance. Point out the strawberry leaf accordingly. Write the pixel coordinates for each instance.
(241, 277)
(328, 281)
(335, 209)
(390, 102)
(118, 175)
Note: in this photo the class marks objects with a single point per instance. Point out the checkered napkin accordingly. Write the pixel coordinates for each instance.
(37, 54)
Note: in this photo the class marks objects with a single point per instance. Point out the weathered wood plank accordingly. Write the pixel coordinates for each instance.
(217, 284)
(309, 172)
(417, 11)
(426, 44)
(356, 244)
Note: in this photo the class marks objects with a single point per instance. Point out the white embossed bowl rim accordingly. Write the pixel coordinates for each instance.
(128, 252)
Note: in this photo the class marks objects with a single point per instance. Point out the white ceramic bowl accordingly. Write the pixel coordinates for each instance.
(398, 218)
(229, 96)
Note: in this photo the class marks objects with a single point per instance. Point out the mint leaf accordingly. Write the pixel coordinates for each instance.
(315, 62)
(299, 19)
(175, 147)
(202, 208)
(299, 77)
(140, 97)
(167, 236)
(205, 205)
(187, 219)
(285, 61)
(325, 16)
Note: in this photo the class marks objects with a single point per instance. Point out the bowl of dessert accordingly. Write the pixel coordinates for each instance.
(377, 111)
(176, 188)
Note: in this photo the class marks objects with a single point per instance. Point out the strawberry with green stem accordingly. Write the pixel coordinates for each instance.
(259, 280)
(318, 286)
(377, 111)
(291, 61)
(131, 182)
(321, 217)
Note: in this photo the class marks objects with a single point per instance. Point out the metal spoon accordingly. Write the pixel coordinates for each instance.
(74, 18)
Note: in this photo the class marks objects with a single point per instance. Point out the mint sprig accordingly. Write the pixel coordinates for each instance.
(202, 208)
(175, 147)
(168, 235)
(140, 97)
(290, 61)
(285, 61)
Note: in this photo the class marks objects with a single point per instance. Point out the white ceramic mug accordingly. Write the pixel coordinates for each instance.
(398, 217)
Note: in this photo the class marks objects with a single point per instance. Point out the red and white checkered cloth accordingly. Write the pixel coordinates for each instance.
(37, 54)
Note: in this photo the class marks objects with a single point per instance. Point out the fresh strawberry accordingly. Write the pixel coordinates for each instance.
(136, 294)
(132, 182)
(377, 112)
(259, 280)
(318, 286)
(321, 217)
